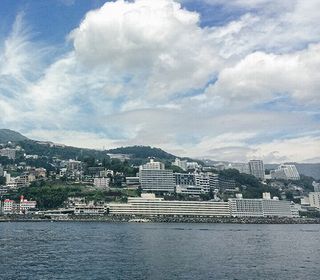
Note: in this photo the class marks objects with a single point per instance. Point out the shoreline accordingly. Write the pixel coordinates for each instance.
(160, 219)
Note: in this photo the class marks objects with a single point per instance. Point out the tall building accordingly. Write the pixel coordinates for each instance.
(181, 163)
(256, 168)
(155, 178)
(285, 172)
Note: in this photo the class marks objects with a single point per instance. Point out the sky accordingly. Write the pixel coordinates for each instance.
(224, 80)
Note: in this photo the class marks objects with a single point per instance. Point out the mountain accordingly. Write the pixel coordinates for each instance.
(142, 152)
(7, 135)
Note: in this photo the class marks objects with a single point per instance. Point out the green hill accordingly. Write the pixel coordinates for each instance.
(142, 152)
(7, 135)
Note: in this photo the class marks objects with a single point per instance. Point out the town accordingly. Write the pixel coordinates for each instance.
(52, 182)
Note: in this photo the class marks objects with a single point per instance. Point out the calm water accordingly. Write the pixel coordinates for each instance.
(158, 251)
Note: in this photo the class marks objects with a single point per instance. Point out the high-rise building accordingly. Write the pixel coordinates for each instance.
(155, 178)
(285, 172)
(256, 168)
(181, 163)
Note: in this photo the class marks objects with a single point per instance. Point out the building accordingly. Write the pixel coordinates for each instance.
(184, 179)
(241, 167)
(314, 199)
(192, 165)
(7, 152)
(89, 209)
(154, 178)
(264, 207)
(256, 168)
(121, 157)
(285, 172)
(181, 163)
(1, 171)
(205, 181)
(148, 204)
(8, 206)
(316, 186)
(26, 205)
(132, 182)
(153, 165)
(101, 183)
(189, 189)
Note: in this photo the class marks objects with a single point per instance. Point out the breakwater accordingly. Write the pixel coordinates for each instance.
(160, 219)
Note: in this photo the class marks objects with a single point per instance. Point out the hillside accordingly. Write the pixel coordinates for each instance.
(63, 152)
(142, 152)
(7, 135)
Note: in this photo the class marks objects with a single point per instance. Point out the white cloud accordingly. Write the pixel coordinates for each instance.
(155, 43)
(136, 71)
(260, 77)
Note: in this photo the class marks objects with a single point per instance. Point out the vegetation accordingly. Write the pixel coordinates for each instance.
(54, 195)
(250, 186)
(7, 135)
(63, 152)
(142, 152)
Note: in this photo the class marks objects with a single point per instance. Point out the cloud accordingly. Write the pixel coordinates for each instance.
(146, 72)
(260, 77)
(157, 44)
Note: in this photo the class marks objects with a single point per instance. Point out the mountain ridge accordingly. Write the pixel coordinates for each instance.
(8, 135)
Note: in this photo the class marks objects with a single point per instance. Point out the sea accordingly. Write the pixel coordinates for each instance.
(97, 250)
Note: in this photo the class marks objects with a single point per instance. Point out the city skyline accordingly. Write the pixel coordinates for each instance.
(226, 80)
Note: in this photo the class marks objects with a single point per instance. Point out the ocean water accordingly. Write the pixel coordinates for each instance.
(92, 250)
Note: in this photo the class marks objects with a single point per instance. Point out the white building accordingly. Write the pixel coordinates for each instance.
(26, 205)
(152, 165)
(256, 168)
(285, 172)
(189, 189)
(241, 167)
(148, 204)
(101, 183)
(154, 178)
(8, 206)
(181, 163)
(192, 165)
(265, 207)
(316, 186)
(314, 199)
(9, 153)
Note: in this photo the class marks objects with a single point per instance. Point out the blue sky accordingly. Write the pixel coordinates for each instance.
(226, 80)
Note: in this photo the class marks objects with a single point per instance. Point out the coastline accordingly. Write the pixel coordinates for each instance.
(159, 219)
